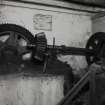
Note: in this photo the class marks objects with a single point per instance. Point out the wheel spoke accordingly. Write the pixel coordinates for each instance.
(12, 39)
(1, 44)
(16, 38)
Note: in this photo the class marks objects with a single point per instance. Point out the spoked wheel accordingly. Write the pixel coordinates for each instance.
(13, 43)
(96, 43)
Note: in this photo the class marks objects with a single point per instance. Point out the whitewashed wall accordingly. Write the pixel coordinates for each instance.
(98, 23)
(39, 90)
(71, 28)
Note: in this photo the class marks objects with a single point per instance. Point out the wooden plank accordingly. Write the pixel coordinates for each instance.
(93, 100)
(92, 90)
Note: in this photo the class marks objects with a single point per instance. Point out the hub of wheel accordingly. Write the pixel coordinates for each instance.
(9, 54)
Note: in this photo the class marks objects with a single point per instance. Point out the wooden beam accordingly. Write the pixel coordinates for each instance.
(56, 4)
(98, 15)
(74, 91)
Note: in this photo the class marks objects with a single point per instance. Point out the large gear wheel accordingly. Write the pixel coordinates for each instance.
(13, 42)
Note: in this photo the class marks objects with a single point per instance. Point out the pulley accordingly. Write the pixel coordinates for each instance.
(96, 44)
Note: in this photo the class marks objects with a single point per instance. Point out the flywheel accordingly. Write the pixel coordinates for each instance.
(13, 43)
(96, 43)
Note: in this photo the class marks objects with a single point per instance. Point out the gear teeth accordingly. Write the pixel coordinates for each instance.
(41, 45)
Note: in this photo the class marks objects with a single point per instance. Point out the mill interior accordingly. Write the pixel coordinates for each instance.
(52, 52)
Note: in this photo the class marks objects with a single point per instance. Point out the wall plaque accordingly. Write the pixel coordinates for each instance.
(42, 22)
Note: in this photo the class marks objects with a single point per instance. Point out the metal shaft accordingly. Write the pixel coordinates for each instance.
(71, 50)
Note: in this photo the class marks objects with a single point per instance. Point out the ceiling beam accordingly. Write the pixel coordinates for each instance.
(93, 3)
(60, 4)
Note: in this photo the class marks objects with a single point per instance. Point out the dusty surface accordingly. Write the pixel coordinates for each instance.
(26, 84)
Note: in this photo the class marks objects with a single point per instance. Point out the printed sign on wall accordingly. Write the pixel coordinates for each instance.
(42, 22)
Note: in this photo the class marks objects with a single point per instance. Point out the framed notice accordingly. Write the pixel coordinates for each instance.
(42, 22)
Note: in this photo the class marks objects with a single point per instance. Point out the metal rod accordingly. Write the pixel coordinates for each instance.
(73, 92)
(67, 50)
(71, 50)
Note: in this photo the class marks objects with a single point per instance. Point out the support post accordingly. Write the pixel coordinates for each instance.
(92, 84)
